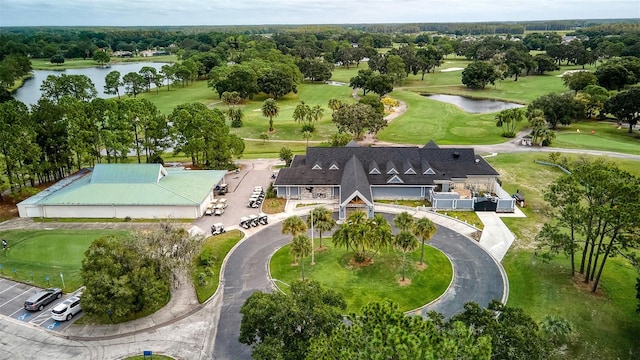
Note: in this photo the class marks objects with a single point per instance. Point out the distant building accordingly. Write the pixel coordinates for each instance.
(122, 54)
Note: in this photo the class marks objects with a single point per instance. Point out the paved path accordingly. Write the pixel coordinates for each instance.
(477, 277)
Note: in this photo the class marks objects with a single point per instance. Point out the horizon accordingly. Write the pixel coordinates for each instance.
(189, 13)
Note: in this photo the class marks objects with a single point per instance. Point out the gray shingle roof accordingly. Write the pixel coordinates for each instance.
(354, 179)
(447, 163)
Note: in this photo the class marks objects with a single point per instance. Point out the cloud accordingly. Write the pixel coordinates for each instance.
(247, 12)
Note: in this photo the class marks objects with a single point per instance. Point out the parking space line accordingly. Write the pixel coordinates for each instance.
(10, 287)
(44, 313)
(16, 298)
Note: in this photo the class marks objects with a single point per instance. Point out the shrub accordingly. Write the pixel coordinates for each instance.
(206, 257)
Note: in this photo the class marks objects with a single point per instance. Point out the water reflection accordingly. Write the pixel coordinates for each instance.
(30, 93)
(475, 106)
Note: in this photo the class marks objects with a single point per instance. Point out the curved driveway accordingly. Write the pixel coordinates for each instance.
(477, 277)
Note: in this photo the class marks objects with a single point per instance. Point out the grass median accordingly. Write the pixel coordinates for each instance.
(207, 277)
(376, 282)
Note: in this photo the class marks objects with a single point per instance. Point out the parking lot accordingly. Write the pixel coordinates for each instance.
(12, 297)
(252, 173)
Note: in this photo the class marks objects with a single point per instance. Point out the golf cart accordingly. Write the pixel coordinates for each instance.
(223, 202)
(224, 188)
(254, 220)
(245, 222)
(209, 211)
(218, 210)
(217, 229)
(262, 219)
(253, 204)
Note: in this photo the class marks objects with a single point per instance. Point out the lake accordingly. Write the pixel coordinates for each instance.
(30, 93)
(475, 106)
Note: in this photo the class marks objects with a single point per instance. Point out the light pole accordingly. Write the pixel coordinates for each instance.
(313, 259)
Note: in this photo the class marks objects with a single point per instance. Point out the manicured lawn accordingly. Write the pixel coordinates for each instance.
(285, 128)
(606, 324)
(166, 100)
(361, 285)
(427, 119)
(220, 246)
(607, 136)
(48, 253)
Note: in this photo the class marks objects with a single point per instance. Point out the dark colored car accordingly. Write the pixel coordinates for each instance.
(42, 298)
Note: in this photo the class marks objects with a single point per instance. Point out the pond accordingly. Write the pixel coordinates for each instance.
(30, 93)
(475, 106)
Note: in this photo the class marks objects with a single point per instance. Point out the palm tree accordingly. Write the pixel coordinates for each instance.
(294, 225)
(379, 232)
(270, 109)
(424, 229)
(334, 104)
(322, 221)
(405, 242)
(307, 135)
(300, 248)
(403, 221)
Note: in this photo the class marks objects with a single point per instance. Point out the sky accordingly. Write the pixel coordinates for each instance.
(255, 12)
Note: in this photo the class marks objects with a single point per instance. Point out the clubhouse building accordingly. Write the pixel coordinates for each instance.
(355, 177)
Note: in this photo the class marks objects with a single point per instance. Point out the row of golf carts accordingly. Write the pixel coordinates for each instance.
(256, 197)
(216, 207)
(253, 221)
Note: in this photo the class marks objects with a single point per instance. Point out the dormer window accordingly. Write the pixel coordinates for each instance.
(410, 171)
(429, 171)
(374, 171)
(316, 167)
(392, 171)
(334, 166)
(395, 179)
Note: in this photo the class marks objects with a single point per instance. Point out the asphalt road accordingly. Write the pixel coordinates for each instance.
(477, 277)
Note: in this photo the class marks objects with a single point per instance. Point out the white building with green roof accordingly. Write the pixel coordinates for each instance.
(127, 190)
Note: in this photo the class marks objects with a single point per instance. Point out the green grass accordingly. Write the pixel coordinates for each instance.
(48, 253)
(518, 171)
(469, 217)
(606, 324)
(427, 119)
(166, 100)
(607, 136)
(220, 246)
(375, 282)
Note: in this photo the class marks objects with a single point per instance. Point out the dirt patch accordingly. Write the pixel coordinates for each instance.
(405, 282)
(320, 249)
(273, 205)
(356, 264)
(578, 283)
(421, 267)
(295, 263)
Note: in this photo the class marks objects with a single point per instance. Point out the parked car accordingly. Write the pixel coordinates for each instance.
(217, 229)
(42, 298)
(67, 309)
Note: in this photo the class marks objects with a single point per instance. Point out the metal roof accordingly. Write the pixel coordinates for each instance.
(186, 187)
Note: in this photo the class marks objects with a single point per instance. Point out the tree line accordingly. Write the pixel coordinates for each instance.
(69, 128)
